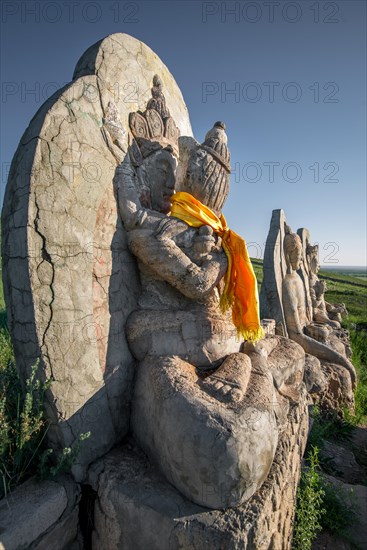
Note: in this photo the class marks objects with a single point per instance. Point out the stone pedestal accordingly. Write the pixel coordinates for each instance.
(137, 509)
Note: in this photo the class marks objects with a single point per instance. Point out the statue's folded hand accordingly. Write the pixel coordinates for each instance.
(218, 257)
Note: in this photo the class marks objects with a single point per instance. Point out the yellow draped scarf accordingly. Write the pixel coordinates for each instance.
(240, 289)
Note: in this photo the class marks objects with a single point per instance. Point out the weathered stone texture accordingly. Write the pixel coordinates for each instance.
(69, 279)
(137, 508)
(39, 515)
(275, 268)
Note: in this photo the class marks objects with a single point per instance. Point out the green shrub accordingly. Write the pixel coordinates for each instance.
(64, 461)
(309, 509)
(22, 425)
(359, 359)
(327, 425)
(340, 508)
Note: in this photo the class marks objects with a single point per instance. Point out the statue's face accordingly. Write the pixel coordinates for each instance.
(190, 174)
(295, 258)
(314, 260)
(293, 251)
(160, 180)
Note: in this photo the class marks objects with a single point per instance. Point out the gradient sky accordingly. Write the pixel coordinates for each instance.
(296, 119)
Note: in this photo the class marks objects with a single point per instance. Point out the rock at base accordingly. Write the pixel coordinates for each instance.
(338, 393)
(39, 515)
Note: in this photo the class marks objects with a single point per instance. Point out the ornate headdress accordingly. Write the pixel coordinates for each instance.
(205, 168)
(216, 145)
(154, 129)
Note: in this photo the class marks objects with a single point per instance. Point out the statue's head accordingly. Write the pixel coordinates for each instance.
(312, 253)
(292, 249)
(156, 180)
(154, 151)
(320, 288)
(204, 169)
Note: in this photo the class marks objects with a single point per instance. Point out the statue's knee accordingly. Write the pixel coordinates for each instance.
(239, 362)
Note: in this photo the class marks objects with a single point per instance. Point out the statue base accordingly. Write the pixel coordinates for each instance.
(137, 508)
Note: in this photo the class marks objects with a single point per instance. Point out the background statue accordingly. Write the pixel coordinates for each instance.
(330, 314)
(323, 312)
(317, 339)
(325, 317)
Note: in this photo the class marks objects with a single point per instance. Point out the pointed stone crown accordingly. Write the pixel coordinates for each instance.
(155, 128)
(216, 145)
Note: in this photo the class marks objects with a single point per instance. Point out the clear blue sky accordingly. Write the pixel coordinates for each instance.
(296, 120)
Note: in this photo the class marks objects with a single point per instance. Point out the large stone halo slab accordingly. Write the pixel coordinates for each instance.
(69, 280)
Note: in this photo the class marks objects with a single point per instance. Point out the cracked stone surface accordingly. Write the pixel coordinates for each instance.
(182, 424)
(137, 508)
(69, 279)
(29, 511)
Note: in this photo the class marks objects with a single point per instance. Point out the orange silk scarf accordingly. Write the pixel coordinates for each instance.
(240, 289)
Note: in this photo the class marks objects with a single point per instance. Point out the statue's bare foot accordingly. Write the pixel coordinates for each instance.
(229, 382)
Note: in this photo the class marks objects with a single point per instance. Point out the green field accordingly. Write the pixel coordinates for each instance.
(348, 289)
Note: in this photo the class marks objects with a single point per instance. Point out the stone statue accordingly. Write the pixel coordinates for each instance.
(323, 311)
(316, 338)
(218, 420)
(195, 389)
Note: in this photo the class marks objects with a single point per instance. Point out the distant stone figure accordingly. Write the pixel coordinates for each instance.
(317, 288)
(293, 302)
(323, 312)
(191, 371)
(335, 311)
(284, 296)
(325, 318)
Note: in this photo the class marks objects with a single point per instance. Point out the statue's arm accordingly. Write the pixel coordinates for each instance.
(164, 257)
(319, 350)
(311, 346)
(132, 213)
(313, 296)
